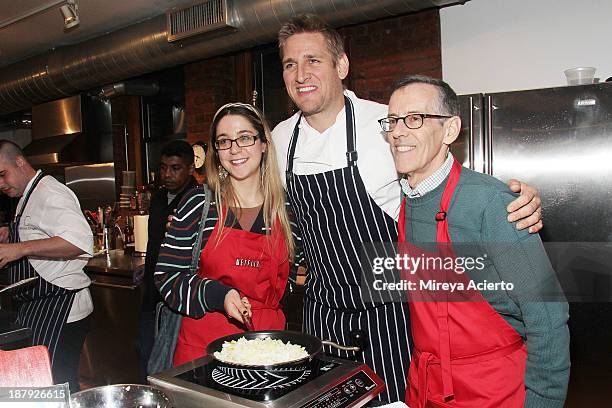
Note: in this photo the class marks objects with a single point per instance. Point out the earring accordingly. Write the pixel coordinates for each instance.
(222, 173)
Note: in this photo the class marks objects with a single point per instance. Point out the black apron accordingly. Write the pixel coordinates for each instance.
(43, 307)
(336, 205)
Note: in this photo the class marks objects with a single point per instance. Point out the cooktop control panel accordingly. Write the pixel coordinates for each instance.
(345, 393)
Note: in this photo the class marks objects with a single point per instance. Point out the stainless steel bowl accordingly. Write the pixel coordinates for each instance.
(121, 396)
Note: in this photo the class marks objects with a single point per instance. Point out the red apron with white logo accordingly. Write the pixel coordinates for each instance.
(465, 353)
(254, 264)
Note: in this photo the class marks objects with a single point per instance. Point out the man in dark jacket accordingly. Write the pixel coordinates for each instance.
(176, 175)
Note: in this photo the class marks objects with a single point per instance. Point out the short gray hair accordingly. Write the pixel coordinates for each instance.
(448, 103)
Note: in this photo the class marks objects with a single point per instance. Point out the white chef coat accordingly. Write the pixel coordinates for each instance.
(54, 211)
(320, 152)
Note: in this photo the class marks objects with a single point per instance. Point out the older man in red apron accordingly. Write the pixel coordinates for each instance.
(506, 348)
(492, 356)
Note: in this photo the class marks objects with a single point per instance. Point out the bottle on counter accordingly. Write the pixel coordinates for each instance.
(144, 199)
(128, 231)
(100, 237)
(153, 185)
(108, 216)
(106, 239)
(100, 218)
(134, 201)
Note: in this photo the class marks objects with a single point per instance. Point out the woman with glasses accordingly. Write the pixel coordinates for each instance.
(250, 249)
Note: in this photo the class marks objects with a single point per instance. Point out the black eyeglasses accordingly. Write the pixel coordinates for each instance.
(242, 141)
(412, 121)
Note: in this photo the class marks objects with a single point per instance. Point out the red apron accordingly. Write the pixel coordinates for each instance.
(465, 353)
(252, 263)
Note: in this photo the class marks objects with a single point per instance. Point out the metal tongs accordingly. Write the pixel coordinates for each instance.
(248, 322)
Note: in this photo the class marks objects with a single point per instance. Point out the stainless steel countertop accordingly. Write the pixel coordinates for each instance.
(116, 263)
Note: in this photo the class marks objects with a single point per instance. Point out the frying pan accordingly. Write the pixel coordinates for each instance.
(312, 344)
(232, 375)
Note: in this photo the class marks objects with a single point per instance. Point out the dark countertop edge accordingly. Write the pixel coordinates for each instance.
(15, 333)
(119, 261)
(114, 272)
(10, 331)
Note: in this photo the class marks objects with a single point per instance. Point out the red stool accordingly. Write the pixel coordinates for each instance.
(26, 367)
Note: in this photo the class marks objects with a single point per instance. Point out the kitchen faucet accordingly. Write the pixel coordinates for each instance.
(121, 235)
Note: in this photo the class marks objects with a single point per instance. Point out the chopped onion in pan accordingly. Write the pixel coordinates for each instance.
(264, 351)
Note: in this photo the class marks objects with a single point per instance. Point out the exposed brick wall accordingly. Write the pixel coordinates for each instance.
(382, 51)
(208, 85)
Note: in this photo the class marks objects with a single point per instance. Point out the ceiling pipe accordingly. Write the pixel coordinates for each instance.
(143, 47)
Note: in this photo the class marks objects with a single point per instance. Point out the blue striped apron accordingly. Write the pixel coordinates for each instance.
(43, 307)
(336, 216)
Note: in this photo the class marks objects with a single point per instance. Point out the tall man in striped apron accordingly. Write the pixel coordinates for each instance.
(48, 239)
(344, 190)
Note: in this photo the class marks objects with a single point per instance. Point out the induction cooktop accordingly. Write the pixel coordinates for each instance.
(326, 382)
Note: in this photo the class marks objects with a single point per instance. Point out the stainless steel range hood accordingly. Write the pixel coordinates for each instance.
(58, 150)
(70, 131)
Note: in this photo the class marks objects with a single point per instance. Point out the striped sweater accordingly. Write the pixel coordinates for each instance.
(187, 293)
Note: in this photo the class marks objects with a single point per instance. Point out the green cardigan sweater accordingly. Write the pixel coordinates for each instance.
(477, 216)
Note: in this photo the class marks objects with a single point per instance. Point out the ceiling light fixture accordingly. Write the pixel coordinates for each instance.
(69, 12)
(68, 9)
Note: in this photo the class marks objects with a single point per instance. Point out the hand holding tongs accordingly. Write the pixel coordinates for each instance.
(238, 307)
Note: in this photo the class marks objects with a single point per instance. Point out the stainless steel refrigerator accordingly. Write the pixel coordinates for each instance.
(560, 141)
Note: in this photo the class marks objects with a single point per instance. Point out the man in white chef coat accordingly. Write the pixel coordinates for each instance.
(49, 239)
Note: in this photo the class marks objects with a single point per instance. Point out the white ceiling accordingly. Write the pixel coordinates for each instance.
(45, 30)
